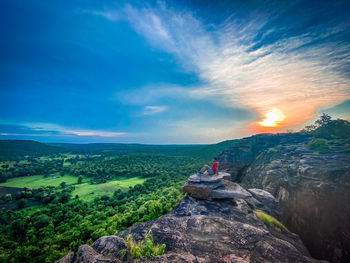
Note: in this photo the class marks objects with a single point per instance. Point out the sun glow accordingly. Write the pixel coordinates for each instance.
(272, 118)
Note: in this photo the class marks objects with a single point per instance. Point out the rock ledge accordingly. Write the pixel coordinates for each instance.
(215, 222)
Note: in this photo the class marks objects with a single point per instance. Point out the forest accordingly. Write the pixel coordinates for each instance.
(61, 197)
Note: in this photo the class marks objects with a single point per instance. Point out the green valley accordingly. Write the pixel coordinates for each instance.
(63, 195)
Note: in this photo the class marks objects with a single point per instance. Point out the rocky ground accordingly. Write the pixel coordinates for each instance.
(214, 222)
(312, 188)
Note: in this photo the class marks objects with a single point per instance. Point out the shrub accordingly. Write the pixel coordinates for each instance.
(80, 179)
(41, 221)
(21, 203)
(143, 248)
(270, 221)
(318, 144)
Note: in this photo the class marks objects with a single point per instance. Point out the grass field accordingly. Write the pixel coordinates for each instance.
(88, 192)
(36, 181)
(85, 191)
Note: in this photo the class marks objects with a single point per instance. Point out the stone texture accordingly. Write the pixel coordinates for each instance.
(313, 189)
(69, 258)
(195, 178)
(88, 255)
(229, 190)
(268, 200)
(217, 231)
(214, 187)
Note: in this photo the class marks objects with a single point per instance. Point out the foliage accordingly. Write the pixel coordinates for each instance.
(14, 149)
(336, 129)
(80, 179)
(88, 192)
(270, 221)
(324, 120)
(143, 248)
(114, 149)
(318, 144)
(47, 233)
(21, 203)
(117, 191)
(329, 129)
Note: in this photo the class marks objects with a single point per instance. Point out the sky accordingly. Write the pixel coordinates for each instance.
(170, 72)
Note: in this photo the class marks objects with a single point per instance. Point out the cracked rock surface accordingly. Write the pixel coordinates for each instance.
(209, 229)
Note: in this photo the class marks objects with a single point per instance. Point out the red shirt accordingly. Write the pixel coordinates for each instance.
(214, 167)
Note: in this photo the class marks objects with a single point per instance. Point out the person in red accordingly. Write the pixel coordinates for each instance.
(210, 171)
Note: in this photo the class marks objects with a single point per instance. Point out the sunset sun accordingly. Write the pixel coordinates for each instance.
(272, 118)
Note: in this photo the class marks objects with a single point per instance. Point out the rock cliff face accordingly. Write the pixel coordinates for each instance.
(215, 222)
(312, 188)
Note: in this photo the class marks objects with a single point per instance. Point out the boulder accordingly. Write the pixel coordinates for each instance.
(230, 190)
(69, 258)
(88, 255)
(214, 187)
(218, 229)
(200, 186)
(268, 200)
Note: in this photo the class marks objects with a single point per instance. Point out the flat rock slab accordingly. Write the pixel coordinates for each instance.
(262, 195)
(214, 187)
(199, 190)
(195, 178)
(230, 191)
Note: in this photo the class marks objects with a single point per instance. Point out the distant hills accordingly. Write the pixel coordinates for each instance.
(14, 149)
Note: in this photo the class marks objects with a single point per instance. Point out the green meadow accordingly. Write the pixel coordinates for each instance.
(85, 191)
(37, 181)
(88, 192)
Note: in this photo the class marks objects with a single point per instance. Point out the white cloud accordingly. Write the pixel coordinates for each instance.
(205, 130)
(69, 130)
(150, 110)
(298, 81)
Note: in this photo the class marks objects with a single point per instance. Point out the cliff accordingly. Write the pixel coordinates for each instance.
(215, 222)
(313, 188)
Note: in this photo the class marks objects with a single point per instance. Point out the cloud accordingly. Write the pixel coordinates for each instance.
(112, 15)
(205, 130)
(54, 129)
(150, 110)
(152, 93)
(296, 73)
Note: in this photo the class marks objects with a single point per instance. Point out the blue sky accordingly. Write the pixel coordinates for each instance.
(169, 72)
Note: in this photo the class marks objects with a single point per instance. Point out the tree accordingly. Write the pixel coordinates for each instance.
(41, 221)
(105, 197)
(64, 197)
(80, 179)
(8, 197)
(21, 203)
(324, 120)
(63, 184)
(318, 144)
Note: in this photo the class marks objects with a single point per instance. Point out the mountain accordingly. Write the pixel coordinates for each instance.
(11, 149)
(312, 184)
(208, 228)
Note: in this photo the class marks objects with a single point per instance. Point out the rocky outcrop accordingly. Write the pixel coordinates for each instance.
(237, 158)
(313, 189)
(214, 187)
(210, 227)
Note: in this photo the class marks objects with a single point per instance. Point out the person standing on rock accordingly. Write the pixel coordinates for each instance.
(210, 171)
